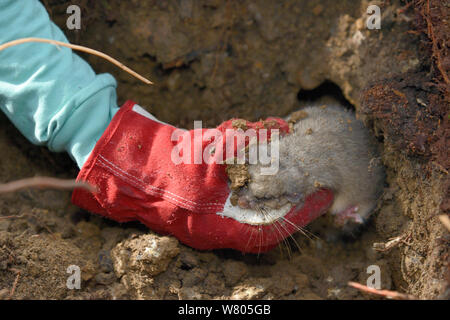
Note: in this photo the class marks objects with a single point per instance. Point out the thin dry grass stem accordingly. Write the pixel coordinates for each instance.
(78, 48)
(45, 183)
(384, 293)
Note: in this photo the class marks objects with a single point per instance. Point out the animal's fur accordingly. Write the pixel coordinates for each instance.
(329, 148)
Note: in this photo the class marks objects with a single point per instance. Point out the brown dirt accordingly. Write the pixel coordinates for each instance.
(215, 60)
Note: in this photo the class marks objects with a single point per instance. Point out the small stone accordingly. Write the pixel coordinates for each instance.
(150, 254)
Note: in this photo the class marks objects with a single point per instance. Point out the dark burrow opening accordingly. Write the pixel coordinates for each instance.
(327, 92)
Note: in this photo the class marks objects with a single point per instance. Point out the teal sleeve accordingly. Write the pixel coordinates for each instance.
(50, 94)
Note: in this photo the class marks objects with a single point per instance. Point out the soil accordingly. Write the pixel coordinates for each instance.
(215, 60)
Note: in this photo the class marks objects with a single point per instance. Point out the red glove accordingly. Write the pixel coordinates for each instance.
(132, 166)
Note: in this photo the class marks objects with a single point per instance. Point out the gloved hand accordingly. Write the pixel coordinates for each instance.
(136, 169)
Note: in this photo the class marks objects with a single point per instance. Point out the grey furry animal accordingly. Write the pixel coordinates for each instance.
(329, 148)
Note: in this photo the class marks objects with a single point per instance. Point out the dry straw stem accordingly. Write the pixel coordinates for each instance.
(384, 293)
(45, 182)
(78, 48)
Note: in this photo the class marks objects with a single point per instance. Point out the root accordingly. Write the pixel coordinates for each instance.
(78, 48)
(13, 289)
(45, 182)
(434, 42)
(424, 9)
(384, 293)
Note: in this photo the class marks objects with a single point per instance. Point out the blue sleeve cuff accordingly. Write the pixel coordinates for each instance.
(51, 95)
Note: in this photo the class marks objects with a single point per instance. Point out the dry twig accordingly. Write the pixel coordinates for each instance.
(78, 48)
(393, 242)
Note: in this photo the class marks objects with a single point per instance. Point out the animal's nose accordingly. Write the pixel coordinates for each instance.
(243, 202)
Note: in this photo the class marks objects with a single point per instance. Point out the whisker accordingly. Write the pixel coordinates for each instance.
(290, 235)
(280, 233)
(252, 231)
(260, 231)
(286, 243)
(264, 212)
(273, 225)
(301, 230)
